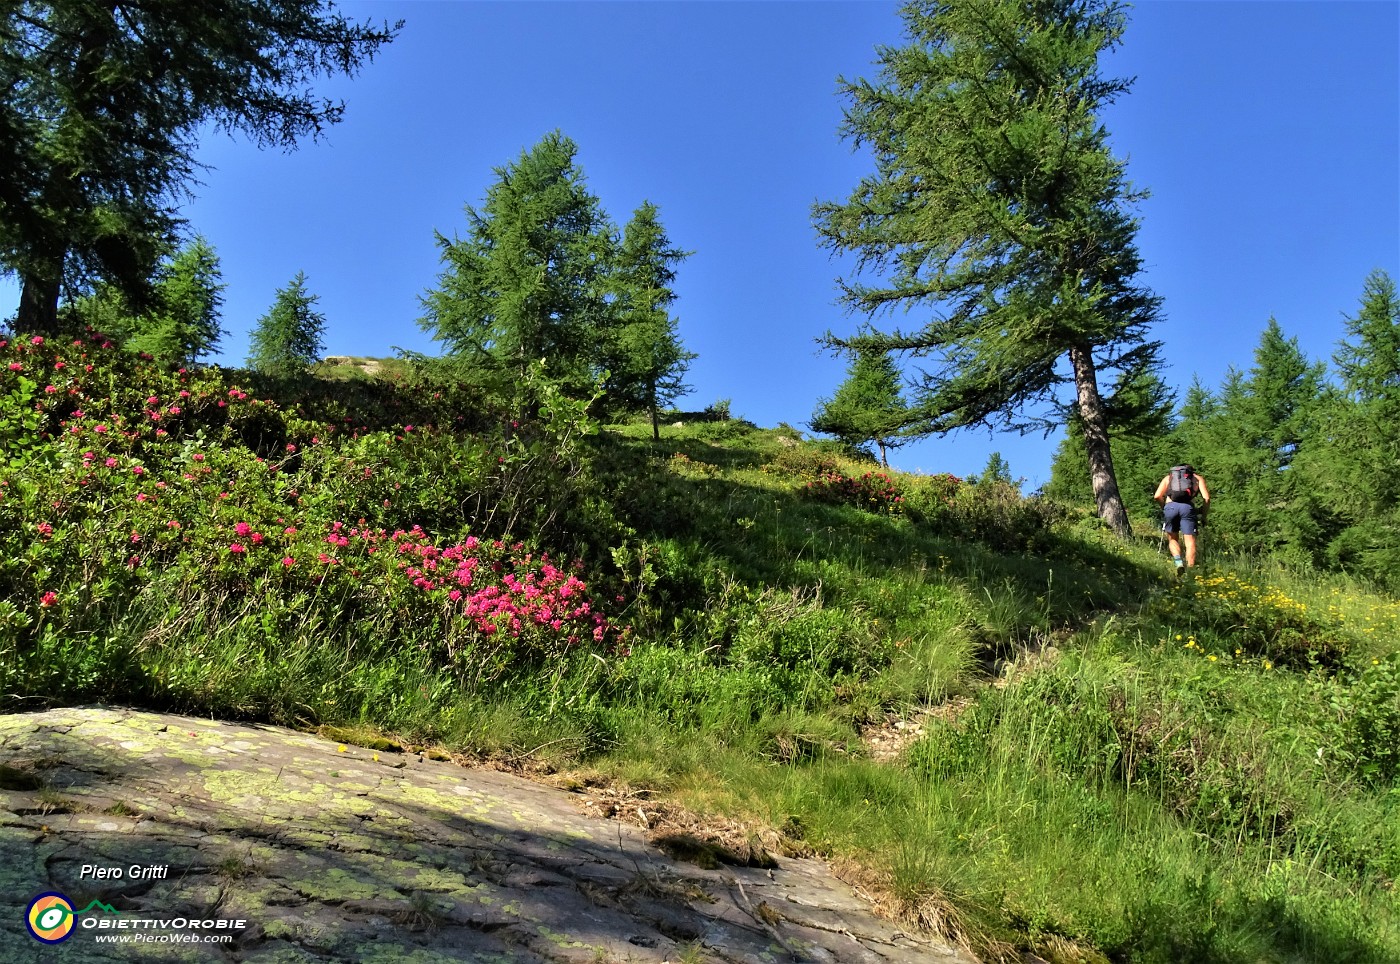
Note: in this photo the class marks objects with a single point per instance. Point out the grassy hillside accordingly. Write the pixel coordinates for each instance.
(1004, 725)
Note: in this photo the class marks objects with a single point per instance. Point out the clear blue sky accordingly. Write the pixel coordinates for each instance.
(1267, 132)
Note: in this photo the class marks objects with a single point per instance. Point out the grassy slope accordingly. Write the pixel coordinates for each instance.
(1111, 766)
(1145, 771)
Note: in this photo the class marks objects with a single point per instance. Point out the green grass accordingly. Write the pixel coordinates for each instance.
(1112, 766)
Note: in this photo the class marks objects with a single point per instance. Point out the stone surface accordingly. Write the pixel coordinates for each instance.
(331, 852)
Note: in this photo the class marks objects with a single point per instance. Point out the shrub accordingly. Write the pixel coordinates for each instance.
(873, 491)
(804, 463)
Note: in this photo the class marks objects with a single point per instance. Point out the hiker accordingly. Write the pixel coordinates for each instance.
(1177, 493)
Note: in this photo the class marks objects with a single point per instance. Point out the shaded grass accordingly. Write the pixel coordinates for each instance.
(1111, 791)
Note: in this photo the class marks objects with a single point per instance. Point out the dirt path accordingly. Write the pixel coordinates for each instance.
(317, 851)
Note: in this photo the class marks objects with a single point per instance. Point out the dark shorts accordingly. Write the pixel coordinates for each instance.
(1179, 517)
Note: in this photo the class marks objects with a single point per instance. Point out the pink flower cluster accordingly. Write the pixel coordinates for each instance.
(500, 588)
(873, 490)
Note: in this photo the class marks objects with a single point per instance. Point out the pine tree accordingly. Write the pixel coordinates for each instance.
(528, 281)
(289, 337)
(1251, 442)
(189, 295)
(642, 351)
(867, 407)
(180, 320)
(100, 104)
(997, 203)
(1354, 460)
(1141, 424)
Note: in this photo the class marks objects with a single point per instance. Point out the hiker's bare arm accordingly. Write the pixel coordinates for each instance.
(1162, 489)
(1205, 492)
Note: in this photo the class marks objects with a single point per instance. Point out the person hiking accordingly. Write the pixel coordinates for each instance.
(1177, 493)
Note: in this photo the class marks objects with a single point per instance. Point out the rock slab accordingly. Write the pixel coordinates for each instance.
(157, 828)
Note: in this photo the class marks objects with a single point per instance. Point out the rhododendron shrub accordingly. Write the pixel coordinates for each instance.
(873, 491)
(132, 489)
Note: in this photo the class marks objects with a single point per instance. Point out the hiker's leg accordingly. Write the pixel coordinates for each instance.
(1188, 534)
(1171, 523)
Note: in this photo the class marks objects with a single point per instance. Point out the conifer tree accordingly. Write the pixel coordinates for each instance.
(1354, 459)
(189, 296)
(867, 407)
(180, 319)
(1141, 424)
(998, 205)
(642, 350)
(1263, 418)
(528, 282)
(100, 104)
(289, 337)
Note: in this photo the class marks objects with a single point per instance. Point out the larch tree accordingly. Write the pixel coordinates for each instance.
(179, 319)
(100, 105)
(642, 350)
(1140, 423)
(184, 324)
(290, 336)
(1353, 458)
(867, 407)
(528, 282)
(997, 207)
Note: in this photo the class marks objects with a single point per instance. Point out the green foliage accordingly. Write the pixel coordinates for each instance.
(180, 321)
(189, 293)
(997, 202)
(641, 350)
(867, 407)
(289, 337)
(528, 282)
(993, 512)
(1057, 751)
(100, 112)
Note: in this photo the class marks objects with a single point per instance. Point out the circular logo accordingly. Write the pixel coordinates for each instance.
(50, 918)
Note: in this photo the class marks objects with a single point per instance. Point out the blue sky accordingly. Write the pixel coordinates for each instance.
(1268, 133)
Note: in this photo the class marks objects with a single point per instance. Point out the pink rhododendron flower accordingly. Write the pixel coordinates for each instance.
(242, 529)
(288, 561)
(48, 599)
(36, 340)
(111, 463)
(45, 529)
(236, 547)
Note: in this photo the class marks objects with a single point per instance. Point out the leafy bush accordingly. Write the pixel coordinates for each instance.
(873, 491)
(1256, 619)
(992, 512)
(804, 463)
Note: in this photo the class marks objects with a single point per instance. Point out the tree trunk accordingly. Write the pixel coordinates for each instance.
(1092, 417)
(884, 459)
(655, 416)
(38, 301)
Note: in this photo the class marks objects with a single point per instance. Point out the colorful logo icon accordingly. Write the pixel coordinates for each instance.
(50, 918)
